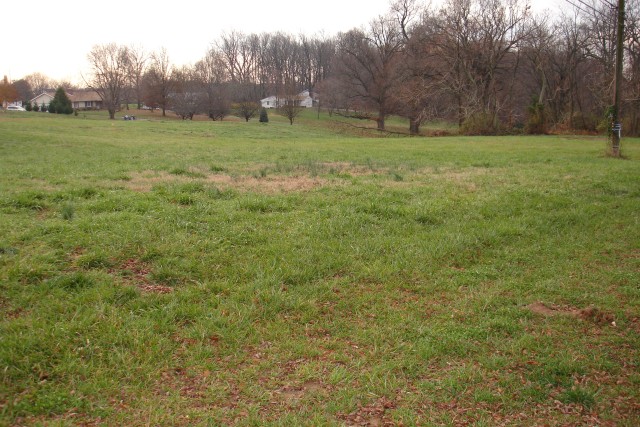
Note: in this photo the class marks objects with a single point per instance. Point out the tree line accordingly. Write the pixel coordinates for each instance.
(491, 66)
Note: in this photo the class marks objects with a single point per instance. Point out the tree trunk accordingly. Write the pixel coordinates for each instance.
(460, 112)
(380, 121)
(112, 113)
(414, 126)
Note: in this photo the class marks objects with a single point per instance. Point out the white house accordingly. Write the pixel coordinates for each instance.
(43, 99)
(85, 99)
(303, 99)
(81, 99)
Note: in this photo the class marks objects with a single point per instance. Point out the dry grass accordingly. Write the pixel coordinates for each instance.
(145, 181)
(301, 180)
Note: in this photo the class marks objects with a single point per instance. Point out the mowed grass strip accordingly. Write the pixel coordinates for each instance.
(184, 273)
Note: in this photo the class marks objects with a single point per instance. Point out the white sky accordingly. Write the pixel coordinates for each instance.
(54, 38)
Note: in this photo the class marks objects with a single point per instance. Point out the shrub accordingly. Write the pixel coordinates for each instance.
(536, 121)
(264, 117)
(67, 211)
(584, 122)
(480, 124)
(604, 126)
(60, 103)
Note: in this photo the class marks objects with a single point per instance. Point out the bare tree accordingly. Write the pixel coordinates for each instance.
(109, 64)
(239, 55)
(418, 95)
(157, 81)
(367, 64)
(211, 75)
(631, 103)
(475, 41)
(186, 98)
(290, 104)
(39, 82)
(25, 93)
(246, 109)
(138, 59)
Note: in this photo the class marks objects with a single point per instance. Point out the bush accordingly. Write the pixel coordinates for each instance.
(264, 117)
(61, 103)
(28, 106)
(480, 124)
(604, 126)
(536, 123)
(584, 122)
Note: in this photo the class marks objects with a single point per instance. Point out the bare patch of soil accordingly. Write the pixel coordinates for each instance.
(136, 273)
(188, 386)
(373, 414)
(145, 181)
(292, 394)
(68, 418)
(9, 313)
(592, 314)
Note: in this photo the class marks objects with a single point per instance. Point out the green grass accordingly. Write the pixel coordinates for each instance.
(161, 272)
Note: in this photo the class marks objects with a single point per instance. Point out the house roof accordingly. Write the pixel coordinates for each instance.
(80, 95)
(84, 96)
(303, 94)
(43, 94)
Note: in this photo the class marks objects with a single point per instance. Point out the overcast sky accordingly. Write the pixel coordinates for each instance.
(54, 38)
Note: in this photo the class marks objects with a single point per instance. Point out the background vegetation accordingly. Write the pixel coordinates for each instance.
(491, 66)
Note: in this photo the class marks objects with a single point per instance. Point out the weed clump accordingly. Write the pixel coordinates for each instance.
(73, 281)
(67, 211)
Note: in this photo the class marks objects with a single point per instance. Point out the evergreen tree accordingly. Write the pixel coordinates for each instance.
(36, 107)
(60, 103)
(27, 106)
(264, 118)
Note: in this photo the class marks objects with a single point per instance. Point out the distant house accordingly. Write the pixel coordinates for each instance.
(303, 99)
(43, 99)
(81, 99)
(85, 99)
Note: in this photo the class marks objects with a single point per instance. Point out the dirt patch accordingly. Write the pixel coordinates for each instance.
(7, 312)
(68, 418)
(373, 414)
(292, 394)
(145, 181)
(178, 380)
(302, 177)
(592, 314)
(136, 273)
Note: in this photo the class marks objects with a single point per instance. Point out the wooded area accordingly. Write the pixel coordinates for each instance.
(492, 66)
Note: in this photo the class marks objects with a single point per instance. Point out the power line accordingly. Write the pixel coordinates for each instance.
(590, 6)
(590, 10)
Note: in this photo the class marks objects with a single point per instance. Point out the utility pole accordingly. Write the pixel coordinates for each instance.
(616, 126)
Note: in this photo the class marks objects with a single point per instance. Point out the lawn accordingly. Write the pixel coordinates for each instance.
(160, 272)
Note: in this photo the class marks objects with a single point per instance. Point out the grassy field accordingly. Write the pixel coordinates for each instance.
(160, 272)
